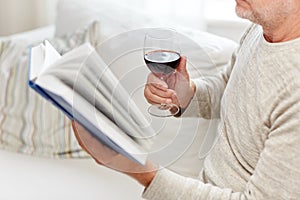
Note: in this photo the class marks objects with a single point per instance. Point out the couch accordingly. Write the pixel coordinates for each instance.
(181, 146)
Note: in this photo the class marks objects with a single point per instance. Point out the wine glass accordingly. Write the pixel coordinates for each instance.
(162, 56)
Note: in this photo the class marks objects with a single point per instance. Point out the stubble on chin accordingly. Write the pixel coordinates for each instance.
(269, 16)
(243, 10)
(242, 13)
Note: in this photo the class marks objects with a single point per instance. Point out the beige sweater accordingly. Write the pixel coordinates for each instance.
(257, 155)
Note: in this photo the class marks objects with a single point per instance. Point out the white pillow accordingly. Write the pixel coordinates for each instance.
(114, 17)
(28, 123)
(32, 36)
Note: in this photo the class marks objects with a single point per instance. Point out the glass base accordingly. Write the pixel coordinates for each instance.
(163, 110)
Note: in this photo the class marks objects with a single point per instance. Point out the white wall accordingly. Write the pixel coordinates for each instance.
(222, 20)
(188, 13)
(214, 16)
(22, 15)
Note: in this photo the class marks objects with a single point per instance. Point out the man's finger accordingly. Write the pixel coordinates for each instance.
(153, 98)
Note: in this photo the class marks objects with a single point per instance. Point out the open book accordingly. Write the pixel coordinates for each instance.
(81, 85)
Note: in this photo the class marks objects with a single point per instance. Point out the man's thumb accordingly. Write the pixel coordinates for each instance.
(182, 66)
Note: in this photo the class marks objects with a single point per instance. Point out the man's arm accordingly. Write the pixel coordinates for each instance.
(276, 174)
(109, 158)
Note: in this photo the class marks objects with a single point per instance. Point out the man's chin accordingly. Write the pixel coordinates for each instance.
(242, 13)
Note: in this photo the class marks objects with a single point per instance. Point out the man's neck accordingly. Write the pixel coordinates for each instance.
(287, 30)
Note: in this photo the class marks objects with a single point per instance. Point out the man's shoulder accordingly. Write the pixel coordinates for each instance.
(252, 28)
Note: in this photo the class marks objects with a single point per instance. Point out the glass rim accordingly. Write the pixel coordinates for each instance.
(172, 33)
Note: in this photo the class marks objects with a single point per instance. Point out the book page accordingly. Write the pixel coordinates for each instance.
(85, 113)
(109, 86)
(45, 56)
(83, 70)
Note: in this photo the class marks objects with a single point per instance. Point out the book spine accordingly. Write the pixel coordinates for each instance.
(49, 98)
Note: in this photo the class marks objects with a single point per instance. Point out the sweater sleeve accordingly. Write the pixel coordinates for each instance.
(209, 90)
(277, 172)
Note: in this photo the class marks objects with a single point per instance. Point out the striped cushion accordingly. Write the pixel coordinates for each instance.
(28, 123)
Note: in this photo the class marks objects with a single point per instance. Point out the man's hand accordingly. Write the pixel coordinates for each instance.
(109, 158)
(178, 88)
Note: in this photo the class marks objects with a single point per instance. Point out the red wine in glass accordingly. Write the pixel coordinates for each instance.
(162, 62)
(162, 56)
